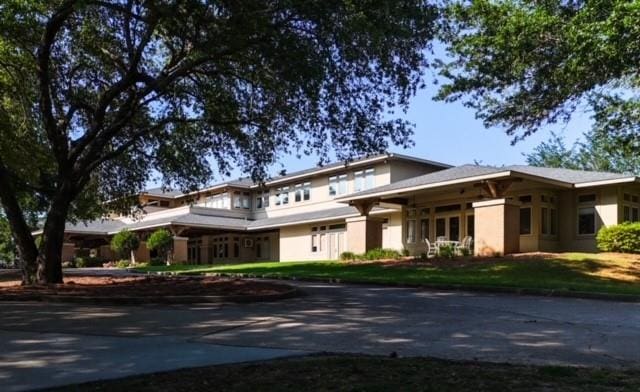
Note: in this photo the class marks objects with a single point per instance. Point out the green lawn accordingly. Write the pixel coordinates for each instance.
(362, 373)
(577, 272)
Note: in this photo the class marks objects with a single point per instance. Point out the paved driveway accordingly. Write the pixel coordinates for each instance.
(62, 343)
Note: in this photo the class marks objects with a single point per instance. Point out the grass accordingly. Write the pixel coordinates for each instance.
(564, 272)
(364, 373)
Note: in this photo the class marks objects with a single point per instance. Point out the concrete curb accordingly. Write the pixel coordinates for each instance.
(452, 287)
(168, 299)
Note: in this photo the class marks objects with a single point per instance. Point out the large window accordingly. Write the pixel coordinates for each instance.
(631, 208)
(586, 220)
(525, 220)
(411, 231)
(424, 228)
(303, 192)
(471, 225)
(364, 179)
(262, 200)
(221, 200)
(282, 196)
(586, 214)
(338, 185)
(548, 215)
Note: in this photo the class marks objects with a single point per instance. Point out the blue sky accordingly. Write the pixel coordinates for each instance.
(450, 133)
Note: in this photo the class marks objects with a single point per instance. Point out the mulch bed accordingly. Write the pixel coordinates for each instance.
(146, 286)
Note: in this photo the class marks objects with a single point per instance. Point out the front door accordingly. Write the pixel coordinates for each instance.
(448, 227)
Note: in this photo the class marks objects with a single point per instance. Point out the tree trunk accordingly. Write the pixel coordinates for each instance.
(50, 257)
(133, 257)
(21, 231)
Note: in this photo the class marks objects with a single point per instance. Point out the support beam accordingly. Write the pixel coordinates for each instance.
(497, 189)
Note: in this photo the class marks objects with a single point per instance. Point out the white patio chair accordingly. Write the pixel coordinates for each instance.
(432, 251)
(466, 245)
(441, 238)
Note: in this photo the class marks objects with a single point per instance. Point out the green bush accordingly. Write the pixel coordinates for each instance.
(348, 256)
(447, 251)
(624, 237)
(124, 243)
(156, 261)
(381, 254)
(123, 263)
(405, 252)
(161, 241)
(87, 262)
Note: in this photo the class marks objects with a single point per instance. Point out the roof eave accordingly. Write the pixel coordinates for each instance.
(615, 181)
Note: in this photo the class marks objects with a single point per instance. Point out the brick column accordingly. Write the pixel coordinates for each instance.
(363, 233)
(497, 227)
(68, 251)
(180, 250)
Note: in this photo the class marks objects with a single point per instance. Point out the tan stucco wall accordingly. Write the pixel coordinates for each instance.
(496, 227)
(295, 243)
(364, 233)
(180, 249)
(392, 231)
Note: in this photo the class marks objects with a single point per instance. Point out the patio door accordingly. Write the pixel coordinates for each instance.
(336, 245)
(448, 227)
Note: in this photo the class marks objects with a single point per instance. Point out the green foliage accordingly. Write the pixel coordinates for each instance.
(624, 237)
(87, 262)
(123, 263)
(160, 240)
(125, 242)
(7, 245)
(348, 256)
(191, 89)
(525, 64)
(447, 251)
(157, 261)
(406, 252)
(381, 254)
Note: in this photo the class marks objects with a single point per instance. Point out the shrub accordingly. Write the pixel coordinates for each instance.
(162, 241)
(347, 256)
(125, 243)
(381, 253)
(68, 264)
(405, 252)
(447, 251)
(123, 263)
(87, 262)
(624, 237)
(157, 261)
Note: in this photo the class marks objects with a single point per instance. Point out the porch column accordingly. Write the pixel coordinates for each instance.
(363, 233)
(68, 251)
(497, 227)
(180, 250)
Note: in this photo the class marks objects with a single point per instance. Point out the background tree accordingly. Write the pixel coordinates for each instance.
(524, 64)
(597, 151)
(162, 242)
(7, 245)
(97, 93)
(125, 243)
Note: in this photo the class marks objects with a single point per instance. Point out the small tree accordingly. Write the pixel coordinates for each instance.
(162, 241)
(125, 243)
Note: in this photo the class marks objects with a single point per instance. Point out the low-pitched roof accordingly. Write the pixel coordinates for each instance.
(467, 173)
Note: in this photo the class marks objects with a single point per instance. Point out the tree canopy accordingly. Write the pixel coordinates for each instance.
(125, 243)
(524, 64)
(94, 95)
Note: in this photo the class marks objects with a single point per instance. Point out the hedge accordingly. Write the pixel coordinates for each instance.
(624, 237)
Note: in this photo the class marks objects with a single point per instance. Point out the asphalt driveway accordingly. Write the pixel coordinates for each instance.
(54, 344)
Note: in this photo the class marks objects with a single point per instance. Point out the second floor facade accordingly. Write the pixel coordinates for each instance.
(304, 191)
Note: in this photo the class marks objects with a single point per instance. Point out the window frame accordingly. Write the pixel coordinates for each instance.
(589, 203)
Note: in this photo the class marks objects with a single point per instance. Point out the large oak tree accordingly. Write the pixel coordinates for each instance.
(96, 94)
(523, 64)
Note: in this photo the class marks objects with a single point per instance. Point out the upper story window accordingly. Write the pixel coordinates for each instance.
(303, 191)
(221, 200)
(282, 196)
(586, 214)
(262, 200)
(242, 200)
(338, 185)
(364, 179)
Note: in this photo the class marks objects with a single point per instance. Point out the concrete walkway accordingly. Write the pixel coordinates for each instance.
(53, 344)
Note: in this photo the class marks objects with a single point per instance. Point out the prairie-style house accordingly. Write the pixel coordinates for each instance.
(391, 201)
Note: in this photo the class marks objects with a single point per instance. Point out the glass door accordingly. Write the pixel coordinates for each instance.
(448, 227)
